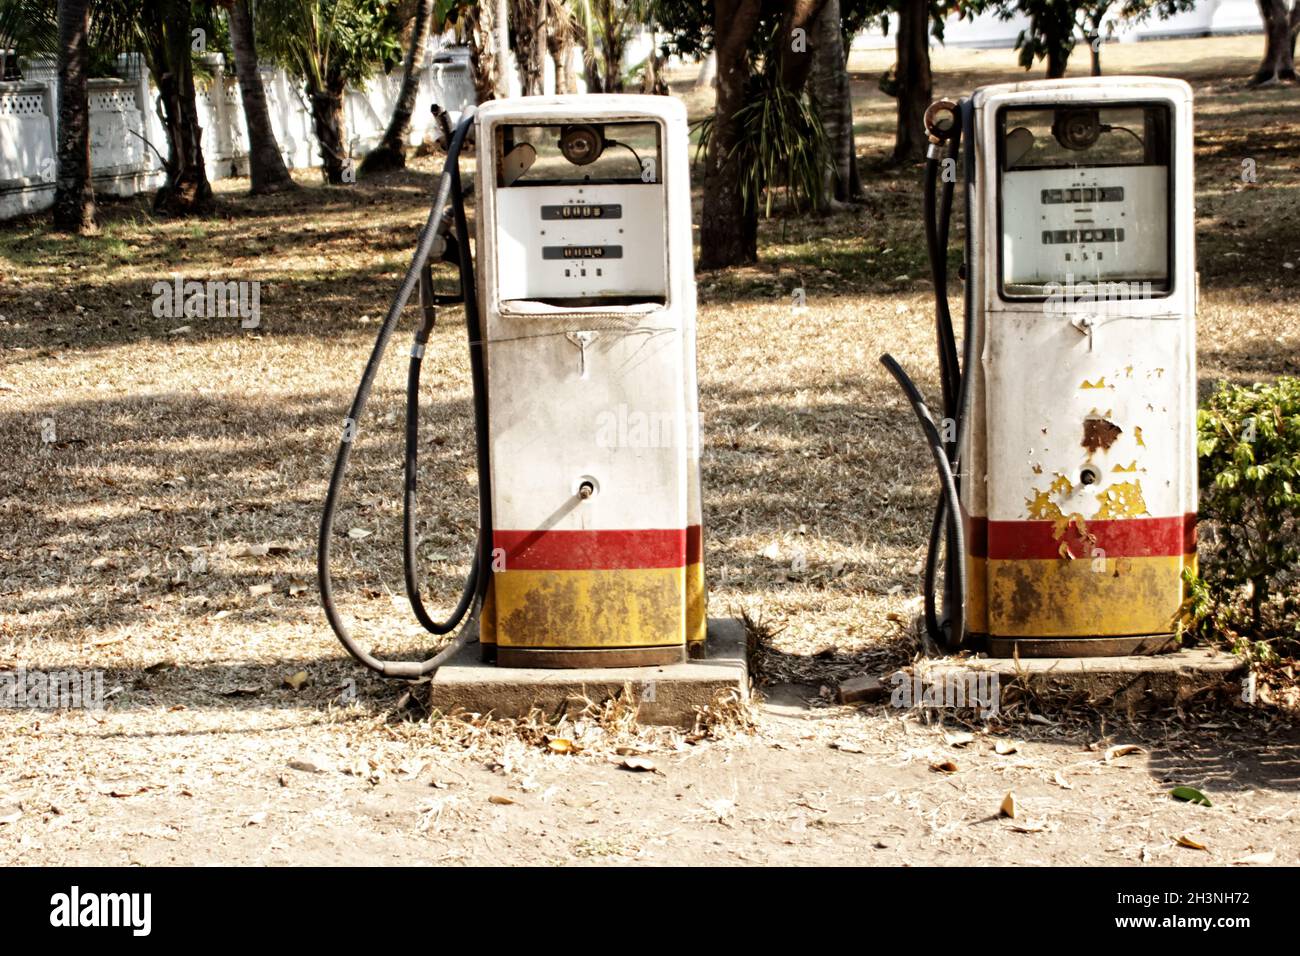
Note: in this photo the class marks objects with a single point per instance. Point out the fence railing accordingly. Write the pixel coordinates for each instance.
(127, 139)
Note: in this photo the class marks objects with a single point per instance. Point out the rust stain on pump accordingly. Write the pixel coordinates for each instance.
(1137, 436)
(1100, 383)
(1131, 466)
(1099, 433)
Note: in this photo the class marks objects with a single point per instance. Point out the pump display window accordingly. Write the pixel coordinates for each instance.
(1084, 195)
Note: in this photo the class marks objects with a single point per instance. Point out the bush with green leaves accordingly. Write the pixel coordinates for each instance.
(781, 145)
(1249, 449)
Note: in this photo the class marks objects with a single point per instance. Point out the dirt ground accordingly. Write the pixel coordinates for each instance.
(158, 512)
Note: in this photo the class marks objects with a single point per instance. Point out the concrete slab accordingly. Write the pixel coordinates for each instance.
(668, 694)
(1106, 681)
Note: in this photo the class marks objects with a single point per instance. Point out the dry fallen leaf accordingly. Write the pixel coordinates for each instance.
(356, 534)
(1256, 859)
(1122, 750)
(639, 764)
(1004, 747)
(848, 746)
(958, 740)
(1009, 808)
(296, 681)
(258, 590)
(560, 745)
(13, 817)
(946, 767)
(256, 820)
(1062, 782)
(500, 800)
(1185, 840)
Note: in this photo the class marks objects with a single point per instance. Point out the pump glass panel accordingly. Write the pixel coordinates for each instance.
(572, 153)
(1084, 196)
(580, 215)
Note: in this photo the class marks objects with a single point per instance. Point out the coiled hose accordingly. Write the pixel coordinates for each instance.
(944, 444)
(435, 231)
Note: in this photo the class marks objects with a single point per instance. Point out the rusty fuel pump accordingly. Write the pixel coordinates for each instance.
(1065, 438)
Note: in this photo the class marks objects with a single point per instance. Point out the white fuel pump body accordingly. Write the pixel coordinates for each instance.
(1078, 461)
(587, 290)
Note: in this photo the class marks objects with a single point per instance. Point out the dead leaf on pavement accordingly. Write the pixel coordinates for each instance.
(1004, 747)
(296, 681)
(1191, 844)
(639, 764)
(946, 766)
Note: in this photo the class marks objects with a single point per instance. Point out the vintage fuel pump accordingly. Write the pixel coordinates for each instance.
(580, 303)
(1066, 447)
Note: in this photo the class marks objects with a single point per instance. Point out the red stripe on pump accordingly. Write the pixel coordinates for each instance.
(694, 544)
(1037, 540)
(603, 550)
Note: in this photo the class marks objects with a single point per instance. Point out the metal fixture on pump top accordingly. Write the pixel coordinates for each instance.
(1066, 453)
(580, 314)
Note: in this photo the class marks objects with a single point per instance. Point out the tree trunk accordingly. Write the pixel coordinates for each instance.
(501, 39)
(529, 20)
(186, 190)
(1280, 28)
(484, 61)
(559, 41)
(391, 151)
(708, 72)
(795, 43)
(327, 122)
(728, 227)
(613, 48)
(74, 197)
(828, 85)
(912, 73)
(1057, 59)
(266, 170)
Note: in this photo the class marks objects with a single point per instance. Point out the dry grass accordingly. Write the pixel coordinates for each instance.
(131, 542)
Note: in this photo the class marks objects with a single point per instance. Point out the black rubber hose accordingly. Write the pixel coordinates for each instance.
(478, 375)
(410, 560)
(448, 187)
(947, 490)
(947, 347)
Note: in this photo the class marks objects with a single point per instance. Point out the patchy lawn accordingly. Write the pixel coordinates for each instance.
(164, 475)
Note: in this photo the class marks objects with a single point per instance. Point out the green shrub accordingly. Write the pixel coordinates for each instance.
(1249, 449)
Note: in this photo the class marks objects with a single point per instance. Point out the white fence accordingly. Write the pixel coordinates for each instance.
(988, 30)
(126, 129)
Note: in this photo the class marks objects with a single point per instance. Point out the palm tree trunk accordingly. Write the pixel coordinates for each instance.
(266, 169)
(391, 151)
(914, 80)
(559, 41)
(728, 226)
(530, 19)
(327, 123)
(485, 60)
(74, 197)
(828, 84)
(187, 189)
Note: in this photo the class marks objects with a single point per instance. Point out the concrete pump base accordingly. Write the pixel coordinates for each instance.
(669, 694)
